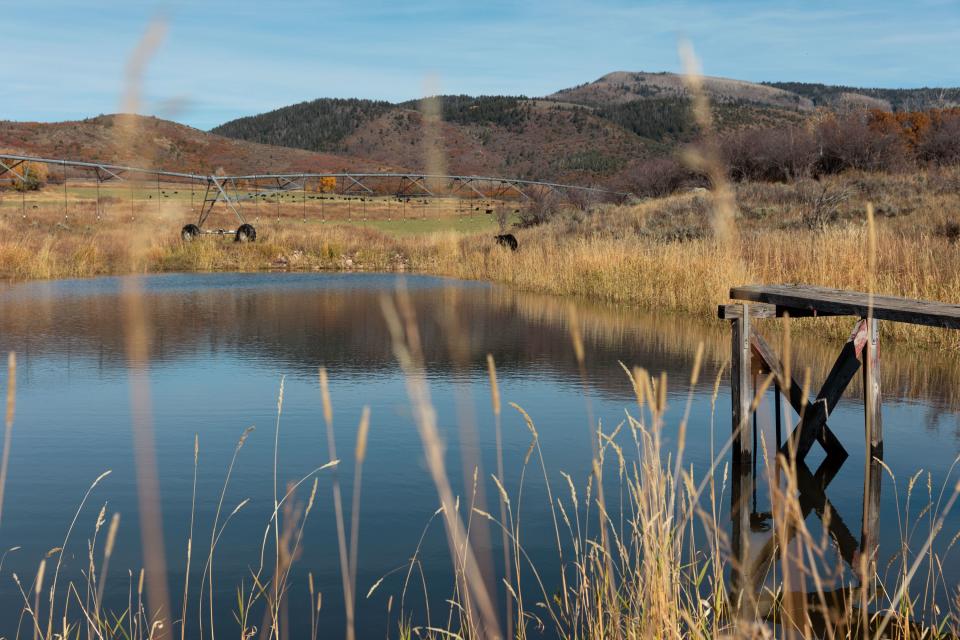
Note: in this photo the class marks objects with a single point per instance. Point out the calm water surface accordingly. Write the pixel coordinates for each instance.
(219, 346)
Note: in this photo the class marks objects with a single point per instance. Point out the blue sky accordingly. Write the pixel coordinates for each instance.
(223, 59)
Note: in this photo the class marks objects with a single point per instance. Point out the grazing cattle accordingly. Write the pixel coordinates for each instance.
(507, 240)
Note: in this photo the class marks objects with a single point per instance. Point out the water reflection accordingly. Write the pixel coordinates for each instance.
(294, 321)
(220, 342)
(760, 550)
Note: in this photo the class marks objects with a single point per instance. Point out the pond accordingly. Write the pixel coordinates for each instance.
(212, 351)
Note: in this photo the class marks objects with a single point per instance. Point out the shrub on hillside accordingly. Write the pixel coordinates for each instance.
(542, 207)
(772, 154)
(583, 200)
(941, 144)
(866, 141)
(660, 177)
(944, 180)
(679, 220)
(849, 142)
(948, 230)
(820, 203)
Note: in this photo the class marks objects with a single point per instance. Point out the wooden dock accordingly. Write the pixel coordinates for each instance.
(752, 356)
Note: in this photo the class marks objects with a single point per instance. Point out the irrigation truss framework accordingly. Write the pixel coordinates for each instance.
(231, 190)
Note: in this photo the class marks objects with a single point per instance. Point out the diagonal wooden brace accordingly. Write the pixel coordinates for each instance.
(813, 424)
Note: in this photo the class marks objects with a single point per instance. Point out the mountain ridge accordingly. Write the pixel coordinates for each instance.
(593, 133)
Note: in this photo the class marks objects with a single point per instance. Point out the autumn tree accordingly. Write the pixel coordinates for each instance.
(327, 184)
(34, 176)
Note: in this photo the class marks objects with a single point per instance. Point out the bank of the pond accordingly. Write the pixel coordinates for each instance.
(658, 254)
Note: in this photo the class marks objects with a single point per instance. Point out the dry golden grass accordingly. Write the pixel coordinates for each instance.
(658, 254)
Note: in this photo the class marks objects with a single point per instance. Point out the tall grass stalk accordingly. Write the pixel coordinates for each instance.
(360, 454)
(498, 436)
(348, 600)
(193, 511)
(206, 576)
(8, 424)
(408, 351)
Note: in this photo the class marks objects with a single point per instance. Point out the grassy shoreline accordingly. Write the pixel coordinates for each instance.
(656, 254)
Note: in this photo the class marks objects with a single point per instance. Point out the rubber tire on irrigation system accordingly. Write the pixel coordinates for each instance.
(189, 232)
(245, 233)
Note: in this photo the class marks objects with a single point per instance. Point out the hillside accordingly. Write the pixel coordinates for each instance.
(155, 143)
(517, 137)
(623, 86)
(596, 132)
(330, 120)
(824, 95)
(490, 135)
(591, 133)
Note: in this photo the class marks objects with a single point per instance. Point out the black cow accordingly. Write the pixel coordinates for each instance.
(507, 240)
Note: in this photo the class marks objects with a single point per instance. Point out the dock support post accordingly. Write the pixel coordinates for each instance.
(742, 487)
(740, 391)
(874, 450)
(742, 452)
(871, 391)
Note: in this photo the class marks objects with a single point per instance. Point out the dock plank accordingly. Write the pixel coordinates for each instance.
(825, 301)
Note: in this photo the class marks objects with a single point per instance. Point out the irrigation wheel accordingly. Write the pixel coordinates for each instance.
(245, 233)
(189, 232)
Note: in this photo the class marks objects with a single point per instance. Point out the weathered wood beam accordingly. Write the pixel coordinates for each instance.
(734, 311)
(762, 310)
(765, 353)
(825, 301)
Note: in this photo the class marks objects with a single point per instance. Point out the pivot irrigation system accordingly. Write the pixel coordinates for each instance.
(233, 191)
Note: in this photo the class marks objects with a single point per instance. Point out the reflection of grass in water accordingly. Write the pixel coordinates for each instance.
(929, 376)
